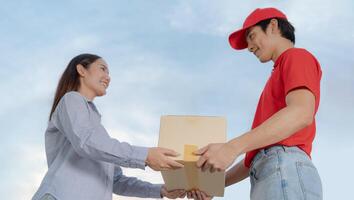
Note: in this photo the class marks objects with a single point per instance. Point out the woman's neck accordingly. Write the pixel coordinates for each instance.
(86, 93)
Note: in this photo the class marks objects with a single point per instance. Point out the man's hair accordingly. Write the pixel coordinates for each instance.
(286, 28)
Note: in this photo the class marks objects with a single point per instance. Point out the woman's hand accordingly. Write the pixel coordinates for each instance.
(172, 194)
(198, 195)
(158, 159)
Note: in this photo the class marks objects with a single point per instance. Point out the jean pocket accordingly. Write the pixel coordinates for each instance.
(265, 168)
(310, 180)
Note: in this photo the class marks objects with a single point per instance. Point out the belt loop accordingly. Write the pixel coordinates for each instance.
(284, 148)
(266, 150)
(263, 151)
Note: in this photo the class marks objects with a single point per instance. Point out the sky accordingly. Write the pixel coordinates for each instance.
(165, 57)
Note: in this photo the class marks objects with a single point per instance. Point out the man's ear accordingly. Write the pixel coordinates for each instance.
(274, 25)
(81, 70)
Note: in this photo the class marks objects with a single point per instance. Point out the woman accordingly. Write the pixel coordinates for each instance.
(83, 160)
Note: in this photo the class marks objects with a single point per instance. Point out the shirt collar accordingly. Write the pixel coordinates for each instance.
(276, 63)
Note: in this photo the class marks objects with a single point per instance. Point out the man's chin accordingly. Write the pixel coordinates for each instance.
(262, 60)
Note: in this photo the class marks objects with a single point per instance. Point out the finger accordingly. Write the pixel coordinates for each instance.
(194, 195)
(212, 169)
(199, 195)
(201, 161)
(189, 195)
(201, 151)
(175, 194)
(180, 193)
(183, 195)
(205, 166)
(169, 152)
(174, 164)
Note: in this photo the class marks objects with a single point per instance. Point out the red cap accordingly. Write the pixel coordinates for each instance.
(238, 39)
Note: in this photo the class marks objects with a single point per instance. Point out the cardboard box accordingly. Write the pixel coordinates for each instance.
(185, 134)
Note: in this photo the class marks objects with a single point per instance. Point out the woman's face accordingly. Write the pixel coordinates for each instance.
(95, 79)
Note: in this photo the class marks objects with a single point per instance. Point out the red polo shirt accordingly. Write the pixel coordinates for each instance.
(293, 69)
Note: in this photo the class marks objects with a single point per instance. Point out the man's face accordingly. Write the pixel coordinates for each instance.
(260, 43)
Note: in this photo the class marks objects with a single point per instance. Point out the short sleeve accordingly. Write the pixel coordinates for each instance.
(301, 69)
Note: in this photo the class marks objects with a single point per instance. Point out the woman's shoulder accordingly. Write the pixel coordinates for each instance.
(73, 96)
(73, 100)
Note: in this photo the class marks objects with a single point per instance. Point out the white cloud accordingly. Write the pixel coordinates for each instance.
(212, 18)
(311, 18)
(85, 42)
(29, 167)
(125, 134)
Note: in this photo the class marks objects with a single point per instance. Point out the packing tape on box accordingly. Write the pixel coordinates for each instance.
(189, 165)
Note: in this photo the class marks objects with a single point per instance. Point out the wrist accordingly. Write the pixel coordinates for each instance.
(147, 160)
(227, 178)
(237, 147)
(162, 192)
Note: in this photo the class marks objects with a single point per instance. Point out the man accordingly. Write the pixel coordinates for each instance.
(278, 146)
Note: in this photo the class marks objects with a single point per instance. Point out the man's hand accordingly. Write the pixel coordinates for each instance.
(158, 159)
(172, 194)
(198, 195)
(216, 157)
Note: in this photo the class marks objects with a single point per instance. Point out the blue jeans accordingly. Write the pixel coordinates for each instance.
(287, 173)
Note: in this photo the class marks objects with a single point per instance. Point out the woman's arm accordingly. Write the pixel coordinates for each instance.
(131, 186)
(90, 139)
(236, 174)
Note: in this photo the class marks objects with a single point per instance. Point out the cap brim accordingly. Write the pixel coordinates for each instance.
(237, 39)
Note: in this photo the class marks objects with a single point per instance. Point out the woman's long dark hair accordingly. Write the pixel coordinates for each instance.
(70, 81)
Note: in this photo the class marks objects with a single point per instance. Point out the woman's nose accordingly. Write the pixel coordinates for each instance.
(108, 78)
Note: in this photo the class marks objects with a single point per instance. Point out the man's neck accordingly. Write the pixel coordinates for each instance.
(284, 45)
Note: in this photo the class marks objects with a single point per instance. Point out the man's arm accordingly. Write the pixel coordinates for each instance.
(298, 114)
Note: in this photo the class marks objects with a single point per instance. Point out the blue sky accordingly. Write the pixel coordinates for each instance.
(165, 57)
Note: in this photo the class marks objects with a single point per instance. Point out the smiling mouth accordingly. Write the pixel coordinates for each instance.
(255, 53)
(104, 84)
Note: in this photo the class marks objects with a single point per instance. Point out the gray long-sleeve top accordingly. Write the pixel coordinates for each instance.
(84, 161)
